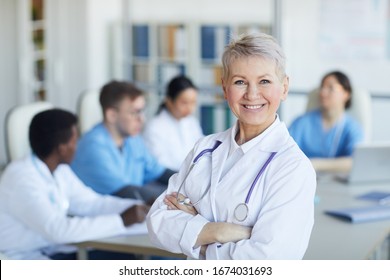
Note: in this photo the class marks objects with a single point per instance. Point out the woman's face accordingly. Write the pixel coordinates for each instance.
(333, 95)
(254, 91)
(184, 104)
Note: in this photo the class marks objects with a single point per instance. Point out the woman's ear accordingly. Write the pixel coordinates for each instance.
(168, 102)
(348, 96)
(224, 88)
(285, 85)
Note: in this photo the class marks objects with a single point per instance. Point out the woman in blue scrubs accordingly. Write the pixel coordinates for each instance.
(328, 135)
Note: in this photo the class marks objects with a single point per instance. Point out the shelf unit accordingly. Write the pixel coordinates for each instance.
(159, 51)
(38, 42)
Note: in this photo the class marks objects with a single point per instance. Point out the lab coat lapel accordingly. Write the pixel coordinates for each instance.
(273, 141)
(218, 159)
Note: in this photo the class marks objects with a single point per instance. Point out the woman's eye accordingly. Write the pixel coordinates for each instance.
(265, 81)
(239, 82)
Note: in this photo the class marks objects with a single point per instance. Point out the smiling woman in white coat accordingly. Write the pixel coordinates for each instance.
(172, 133)
(248, 192)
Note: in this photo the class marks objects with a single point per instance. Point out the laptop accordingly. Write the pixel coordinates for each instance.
(370, 163)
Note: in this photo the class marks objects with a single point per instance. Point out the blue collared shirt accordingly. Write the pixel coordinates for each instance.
(100, 164)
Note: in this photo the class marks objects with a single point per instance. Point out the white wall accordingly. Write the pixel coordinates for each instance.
(301, 42)
(78, 51)
(8, 64)
(101, 15)
(381, 128)
(67, 51)
(80, 47)
(231, 11)
(306, 66)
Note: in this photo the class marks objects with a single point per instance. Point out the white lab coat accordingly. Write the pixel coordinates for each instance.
(170, 140)
(281, 207)
(34, 209)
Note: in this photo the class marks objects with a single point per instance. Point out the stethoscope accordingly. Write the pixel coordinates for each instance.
(241, 211)
(63, 203)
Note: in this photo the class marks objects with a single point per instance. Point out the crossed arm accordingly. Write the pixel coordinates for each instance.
(212, 232)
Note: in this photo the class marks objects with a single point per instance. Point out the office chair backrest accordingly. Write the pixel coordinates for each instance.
(360, 110)
(17, 123)
(89, 110)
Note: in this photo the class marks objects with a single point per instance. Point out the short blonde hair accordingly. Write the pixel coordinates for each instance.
(257, 44)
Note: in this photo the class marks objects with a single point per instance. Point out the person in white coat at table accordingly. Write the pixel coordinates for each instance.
(172, 133)
(248, 192)
(43, 205)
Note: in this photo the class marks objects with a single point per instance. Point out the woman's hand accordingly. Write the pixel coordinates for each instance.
(171, 200)
(222, 232)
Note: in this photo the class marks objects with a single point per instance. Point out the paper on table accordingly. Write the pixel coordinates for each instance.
(135, 229)
(381, 197)
(362, 214)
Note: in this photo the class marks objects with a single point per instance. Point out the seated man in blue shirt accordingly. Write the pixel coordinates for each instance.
(112, 157)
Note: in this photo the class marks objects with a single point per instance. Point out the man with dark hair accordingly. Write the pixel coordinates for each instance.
(112, 157)
(43, 204)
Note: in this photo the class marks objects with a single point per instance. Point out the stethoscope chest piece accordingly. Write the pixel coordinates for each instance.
(241, 212)
(185, 201)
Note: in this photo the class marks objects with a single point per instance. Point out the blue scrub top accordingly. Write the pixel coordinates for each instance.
(100, 164)
(315, 142)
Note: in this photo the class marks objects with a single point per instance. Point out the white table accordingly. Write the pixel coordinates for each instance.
(134, 244)
(335, 239)
(331, 238)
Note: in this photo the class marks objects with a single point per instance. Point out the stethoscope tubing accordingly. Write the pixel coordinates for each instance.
(205, 151)
(211, 150)
(248, 196)
(194, 162)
